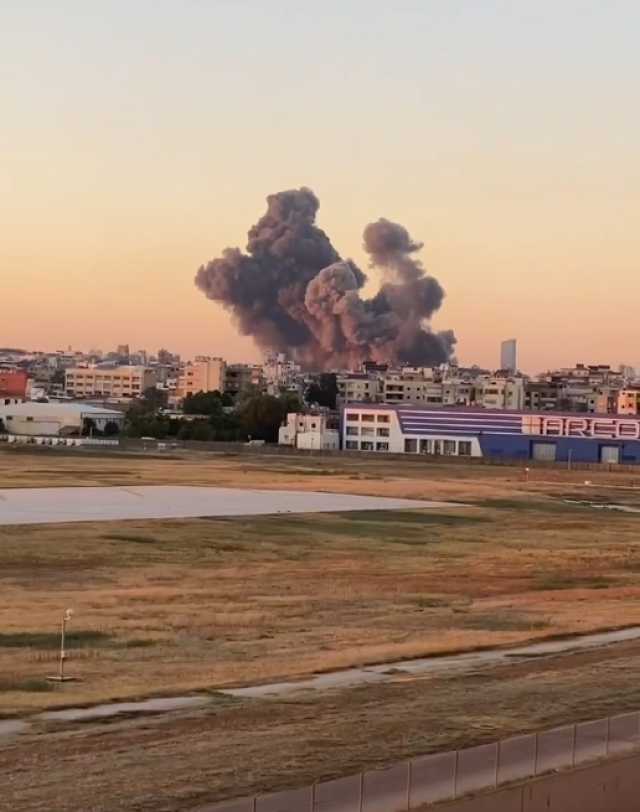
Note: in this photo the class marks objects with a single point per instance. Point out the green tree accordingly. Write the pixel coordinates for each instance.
(204, 403)
(323, 391)
(89, 428)
(198, 430)
(262, 415)
(145, 424)
(153, 399)
(111, 429)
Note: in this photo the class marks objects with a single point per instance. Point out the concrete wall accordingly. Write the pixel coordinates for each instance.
(612, 786)
(33, 427)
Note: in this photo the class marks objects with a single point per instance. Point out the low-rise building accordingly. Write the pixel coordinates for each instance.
(318, 431)
(494, 433)
(13, 383)
(120, 382)
(59, 419)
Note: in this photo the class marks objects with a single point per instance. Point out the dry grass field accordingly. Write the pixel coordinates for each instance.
(168, 607)
(423, 478)
(175, 763)
(176, 606)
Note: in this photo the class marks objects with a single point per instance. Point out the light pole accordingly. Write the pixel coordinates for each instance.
(63, 653)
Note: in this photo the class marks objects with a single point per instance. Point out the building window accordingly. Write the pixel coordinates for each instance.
(353, 418)
(352, 430)
(351, 445)
(411, 446)
(449, 447)
(464, 448)
(382, 446)
(29, 419)
(383, 418)
(366, 446)
(368, 418)
(366, 432)
(383, 432)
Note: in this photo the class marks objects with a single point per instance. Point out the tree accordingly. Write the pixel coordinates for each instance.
(143, 424)
(111, 429)
(323, 391)
(153, 399)
(89, 428)
(262, 415)
(2, 427)
(205, 403)
(199, 430)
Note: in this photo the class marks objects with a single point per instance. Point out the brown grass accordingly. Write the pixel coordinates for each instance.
(32, 467)
(188, 605)
(175, 763)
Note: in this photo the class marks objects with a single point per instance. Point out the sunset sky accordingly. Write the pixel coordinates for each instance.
(140, 137)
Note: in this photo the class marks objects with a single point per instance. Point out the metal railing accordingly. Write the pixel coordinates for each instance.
(446, 776)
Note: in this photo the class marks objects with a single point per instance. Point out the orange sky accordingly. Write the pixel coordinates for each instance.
(137, 144)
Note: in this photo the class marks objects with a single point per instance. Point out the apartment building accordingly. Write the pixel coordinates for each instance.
(125, 382)
(243, 378)
(408, 387)
(500, 393)
(433, 387)
(360, 387)
(280, 373)
(202, 375)
(13, 383)
(628, 401)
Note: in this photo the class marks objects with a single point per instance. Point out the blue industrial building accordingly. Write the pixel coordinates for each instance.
(477, 432)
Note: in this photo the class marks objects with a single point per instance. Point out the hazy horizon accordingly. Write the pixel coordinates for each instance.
(141, 138)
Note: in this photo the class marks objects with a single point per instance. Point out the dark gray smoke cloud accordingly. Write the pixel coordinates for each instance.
(292, 292)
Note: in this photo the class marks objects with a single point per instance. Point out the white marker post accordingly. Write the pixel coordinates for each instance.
(61, 677)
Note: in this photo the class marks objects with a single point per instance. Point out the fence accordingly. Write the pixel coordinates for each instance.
(447, 776)
(236, 449)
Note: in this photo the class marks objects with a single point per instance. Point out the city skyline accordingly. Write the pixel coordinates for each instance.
(127, 167)
(123, 353)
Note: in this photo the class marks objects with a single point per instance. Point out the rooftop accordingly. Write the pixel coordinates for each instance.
(42, 409)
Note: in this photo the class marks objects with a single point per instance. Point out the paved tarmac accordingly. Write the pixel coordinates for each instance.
(46, 505)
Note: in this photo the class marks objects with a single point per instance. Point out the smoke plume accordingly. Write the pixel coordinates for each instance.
(292, 292)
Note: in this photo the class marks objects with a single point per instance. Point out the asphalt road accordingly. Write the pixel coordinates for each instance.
(433, 778)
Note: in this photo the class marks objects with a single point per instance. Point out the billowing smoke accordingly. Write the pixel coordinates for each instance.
(292, 292)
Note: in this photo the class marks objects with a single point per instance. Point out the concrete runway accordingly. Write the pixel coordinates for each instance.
(46, 505)
(433, 777)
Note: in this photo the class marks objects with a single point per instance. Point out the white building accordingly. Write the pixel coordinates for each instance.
(55, 419)
(313, 432)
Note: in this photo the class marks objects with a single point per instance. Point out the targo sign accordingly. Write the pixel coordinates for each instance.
(596, 427)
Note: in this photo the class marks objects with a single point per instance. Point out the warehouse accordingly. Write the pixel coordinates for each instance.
(58, 419)
(477, 432)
